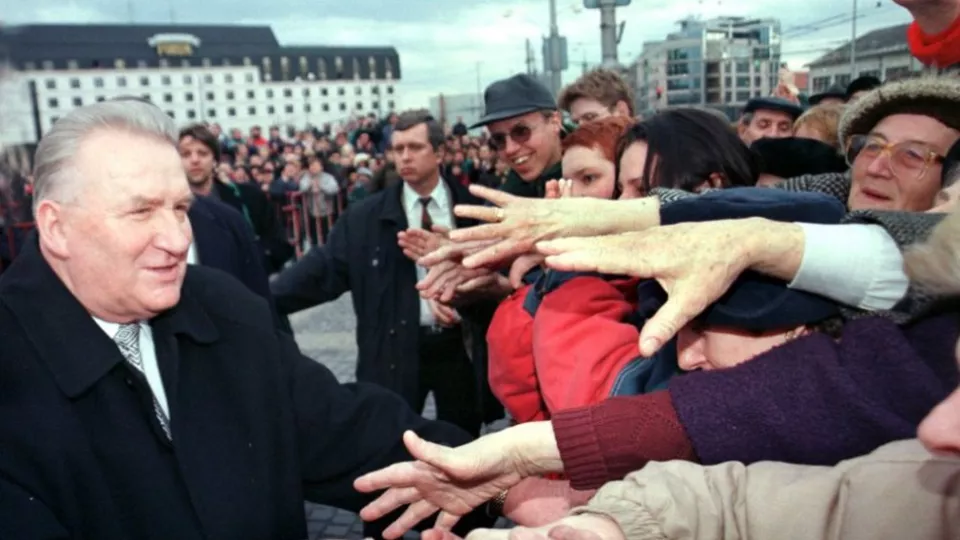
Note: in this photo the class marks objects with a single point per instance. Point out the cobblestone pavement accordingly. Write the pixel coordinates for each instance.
(326, 334)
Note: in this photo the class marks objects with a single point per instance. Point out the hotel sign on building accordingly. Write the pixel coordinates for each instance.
(174, 44)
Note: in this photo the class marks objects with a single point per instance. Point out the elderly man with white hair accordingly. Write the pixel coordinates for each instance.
(141, 398)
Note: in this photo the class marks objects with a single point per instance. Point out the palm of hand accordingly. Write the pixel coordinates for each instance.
(454, 480)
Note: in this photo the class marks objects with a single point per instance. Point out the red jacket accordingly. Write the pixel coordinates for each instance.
(510, 359)
(582, 340)
(569, 354)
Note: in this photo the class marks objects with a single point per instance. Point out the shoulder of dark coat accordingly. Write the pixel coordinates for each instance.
(222, 212)
(224, 297)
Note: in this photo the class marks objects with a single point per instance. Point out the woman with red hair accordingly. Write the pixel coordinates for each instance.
(525, 375)
(590, 157)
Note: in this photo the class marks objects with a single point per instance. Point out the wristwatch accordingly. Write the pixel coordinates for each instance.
(495, 505)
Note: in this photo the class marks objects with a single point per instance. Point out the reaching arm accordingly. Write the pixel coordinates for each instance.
(346, 430)
(321, 276)
(857, 265)
(734, 501)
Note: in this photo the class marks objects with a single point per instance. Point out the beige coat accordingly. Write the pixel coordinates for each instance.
(898, 492)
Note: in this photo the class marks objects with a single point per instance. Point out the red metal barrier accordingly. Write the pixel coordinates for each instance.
(10, 231)
(292, 220)
(299, 222)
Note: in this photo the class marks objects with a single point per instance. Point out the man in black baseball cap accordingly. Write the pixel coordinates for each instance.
(525, 128)
(835, 95)
(860, 86)
(771, 117)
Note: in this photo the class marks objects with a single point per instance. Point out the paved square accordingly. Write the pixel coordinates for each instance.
(327, 334)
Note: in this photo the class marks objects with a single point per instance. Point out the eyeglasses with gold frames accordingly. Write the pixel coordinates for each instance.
(908, 159)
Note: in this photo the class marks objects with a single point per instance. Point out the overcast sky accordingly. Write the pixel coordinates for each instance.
(445, 45)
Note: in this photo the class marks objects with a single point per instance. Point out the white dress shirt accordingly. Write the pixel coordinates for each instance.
(148, 354)
(441, 212)
(857, 265)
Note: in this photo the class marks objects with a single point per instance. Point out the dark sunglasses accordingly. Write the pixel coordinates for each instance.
(520, 133)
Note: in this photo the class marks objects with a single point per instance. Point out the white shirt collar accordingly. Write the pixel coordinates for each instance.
(109, 327)
(411, 199)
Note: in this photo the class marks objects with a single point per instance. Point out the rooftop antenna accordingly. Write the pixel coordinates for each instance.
(173, 14)
(130, 11)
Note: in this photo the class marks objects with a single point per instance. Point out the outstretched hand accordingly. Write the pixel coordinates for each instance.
(453, 480)
(515, 224)
(695, 263)
(416, 243)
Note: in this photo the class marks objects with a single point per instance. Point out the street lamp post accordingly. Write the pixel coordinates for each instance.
(853, 43)
(609, 31)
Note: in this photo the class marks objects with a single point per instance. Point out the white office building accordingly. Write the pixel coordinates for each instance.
(237, 76)
(882, 53)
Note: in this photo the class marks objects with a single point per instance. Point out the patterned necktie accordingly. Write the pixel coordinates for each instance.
(128, 339)
(426, 223)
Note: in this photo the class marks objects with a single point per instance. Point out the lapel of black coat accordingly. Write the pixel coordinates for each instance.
(461, 195)
(209, 235)
(392, 210)
(75, 350)
(187, 320)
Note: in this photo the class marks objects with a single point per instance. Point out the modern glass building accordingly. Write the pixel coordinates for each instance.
(721, 62)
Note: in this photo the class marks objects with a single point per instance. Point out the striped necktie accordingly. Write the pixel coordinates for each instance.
(128, 339)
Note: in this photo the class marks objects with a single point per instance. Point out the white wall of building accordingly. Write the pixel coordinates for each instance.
(233, 96)
(895, 65)
(16, 112)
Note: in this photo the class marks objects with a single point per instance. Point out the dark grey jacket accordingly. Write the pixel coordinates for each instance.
(905, 228)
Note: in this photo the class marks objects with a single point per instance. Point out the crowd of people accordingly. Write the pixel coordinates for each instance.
(698, 328)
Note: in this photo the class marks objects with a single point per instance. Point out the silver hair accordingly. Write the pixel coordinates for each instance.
(53, 161)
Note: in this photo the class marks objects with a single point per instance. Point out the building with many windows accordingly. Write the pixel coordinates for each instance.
(237, 76)
(882, 53)
(721, 62)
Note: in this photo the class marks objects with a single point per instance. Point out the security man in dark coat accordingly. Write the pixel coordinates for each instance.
(223, 240)
(144, 398)
(405, 343)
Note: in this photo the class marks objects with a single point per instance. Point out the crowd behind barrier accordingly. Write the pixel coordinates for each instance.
(356, 155)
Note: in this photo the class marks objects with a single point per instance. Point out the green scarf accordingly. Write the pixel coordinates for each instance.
(535, 189)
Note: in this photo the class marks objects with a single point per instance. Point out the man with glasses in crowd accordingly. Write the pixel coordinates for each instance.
(525, 129)
(596, 95)
(894, 139)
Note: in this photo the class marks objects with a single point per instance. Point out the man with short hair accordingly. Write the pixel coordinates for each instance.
(406, 344)
(141, 397)
(771, 117)
(200, 153)
(595, 95)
